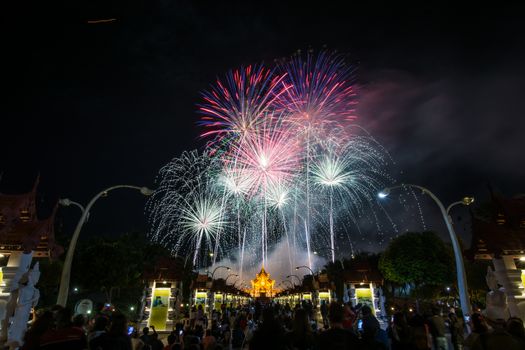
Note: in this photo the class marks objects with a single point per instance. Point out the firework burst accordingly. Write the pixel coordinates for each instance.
(286, 163)
(233, 108)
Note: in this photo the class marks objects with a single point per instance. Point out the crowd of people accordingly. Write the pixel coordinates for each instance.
(275, 326)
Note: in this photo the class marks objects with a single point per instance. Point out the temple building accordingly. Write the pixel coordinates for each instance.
(498, 235)
(262, 285)
(21, 231)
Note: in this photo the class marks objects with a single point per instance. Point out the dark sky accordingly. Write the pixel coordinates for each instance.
(92, 105)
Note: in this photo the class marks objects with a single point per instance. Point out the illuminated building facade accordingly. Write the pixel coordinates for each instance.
(162, 298)
(362, 285)
(262, 285)
(22, 232)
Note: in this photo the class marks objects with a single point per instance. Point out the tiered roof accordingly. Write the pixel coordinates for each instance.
(262, 283)
(21, 229)
(501, 230)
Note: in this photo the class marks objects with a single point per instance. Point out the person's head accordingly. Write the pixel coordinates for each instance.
(119, 324)
(416, 321)
(515, 327)
(335, 313)
(498, 323)
(366, 310)
(300, 322)
(268, 316)
(172, 338)
(145, 330)
(42, 323)
(62, 318)
(399, 319)
(435, 310)
(155, 336)
(79, 321)
(479, 325)
(101, 323)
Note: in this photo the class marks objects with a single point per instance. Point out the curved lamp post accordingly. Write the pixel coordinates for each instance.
(63, 291)
(460, 266)
(230, 275)
(218, 267)
(291, 284)
(240, 285)
(299, 279)
(305, 267)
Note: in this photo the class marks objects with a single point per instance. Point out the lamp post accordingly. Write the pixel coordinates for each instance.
(299, 279)
(63, 291)
(240, 285)
(305, 267)
(460, 266)
(230, 275)
(218, 267)
(328, 248)
(291, 284)
(210, 291)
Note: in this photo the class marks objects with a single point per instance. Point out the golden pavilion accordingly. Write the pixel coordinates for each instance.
(262, 285)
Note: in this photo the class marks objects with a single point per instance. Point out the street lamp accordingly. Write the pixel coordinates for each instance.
(219, 267)
(230, 275)
(305, 267)
(300, 282)
(291, 284)
(242, 281)
(460, 266)
(66, 270)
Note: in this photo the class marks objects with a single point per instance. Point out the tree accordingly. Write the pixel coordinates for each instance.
(49, 281)
(114, 268)
(421, 260)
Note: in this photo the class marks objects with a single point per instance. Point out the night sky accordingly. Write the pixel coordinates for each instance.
(92, 105)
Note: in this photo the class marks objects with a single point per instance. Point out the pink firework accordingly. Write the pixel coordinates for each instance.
(234, 108)
(318, 93)
(270, 155)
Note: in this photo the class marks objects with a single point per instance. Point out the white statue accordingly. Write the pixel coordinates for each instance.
(24, 264)
(28, 297)
(496, 299)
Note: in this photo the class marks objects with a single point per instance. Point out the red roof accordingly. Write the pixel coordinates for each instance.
(503, 232)
(20, 228)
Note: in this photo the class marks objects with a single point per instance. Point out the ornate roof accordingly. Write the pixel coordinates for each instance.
(20, 228)
(500, 230)
(262, 283)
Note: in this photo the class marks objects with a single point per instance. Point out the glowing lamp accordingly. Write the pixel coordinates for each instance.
(467, 200)
(384, 193)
